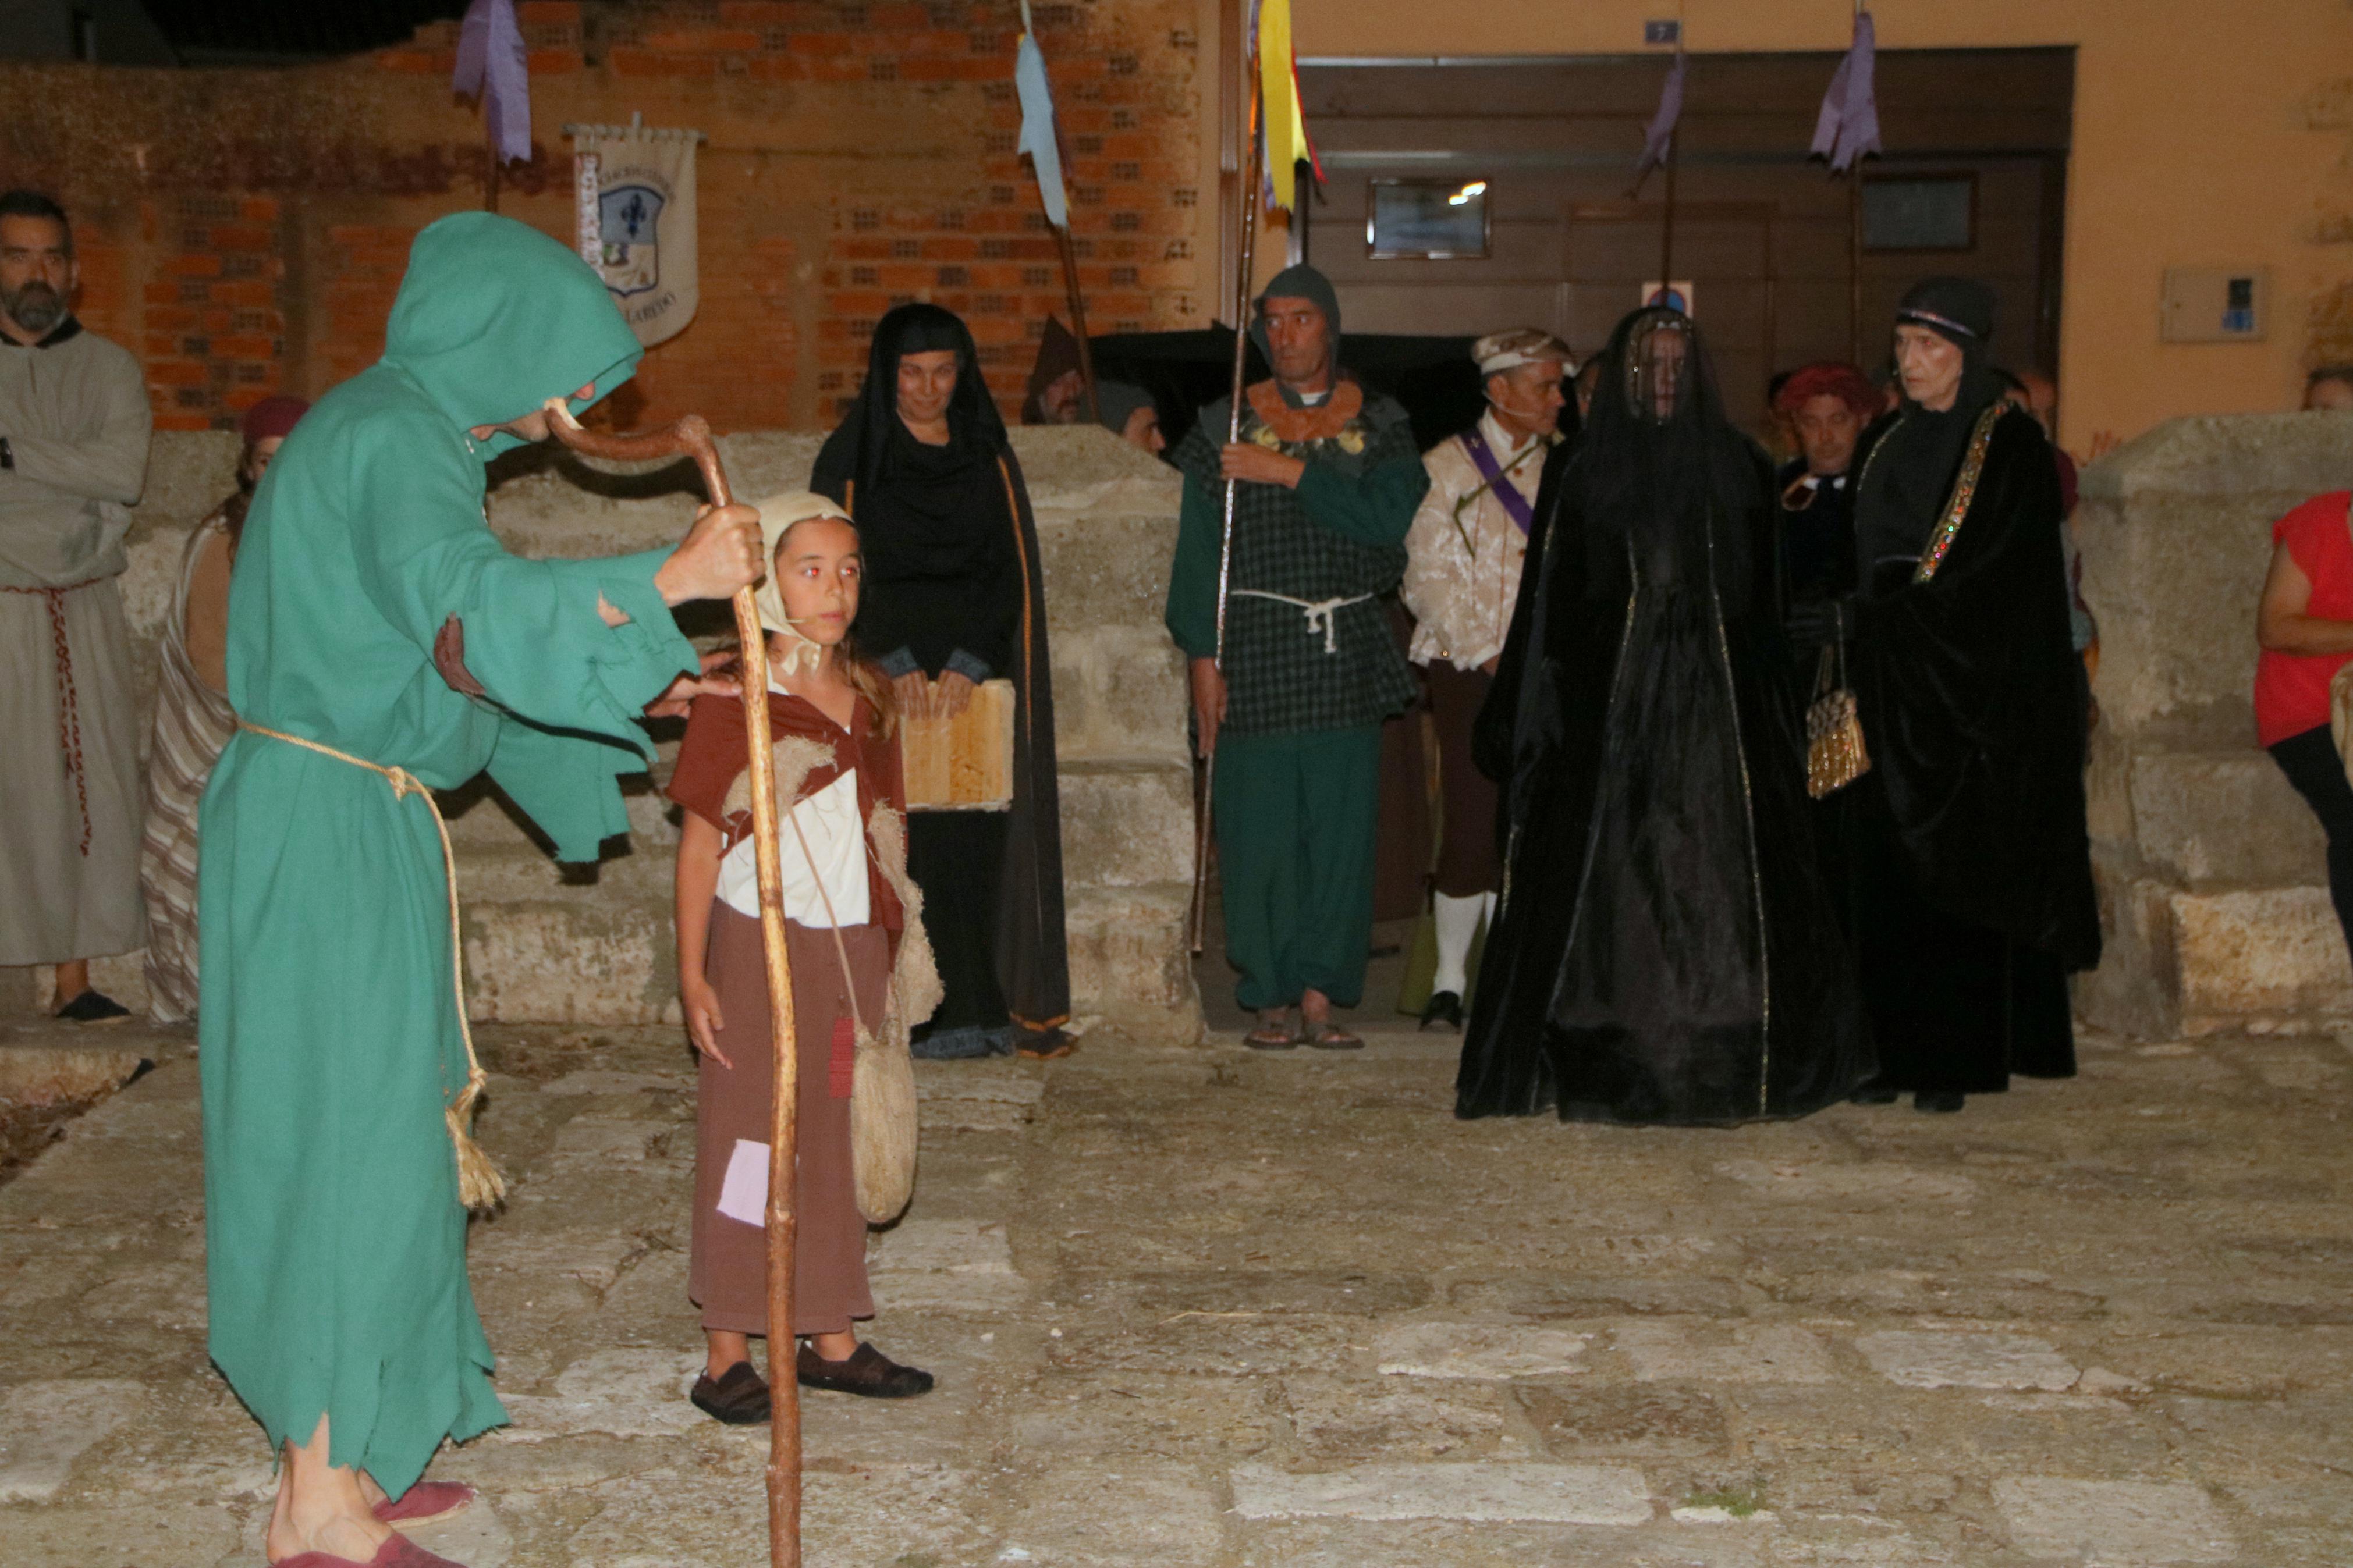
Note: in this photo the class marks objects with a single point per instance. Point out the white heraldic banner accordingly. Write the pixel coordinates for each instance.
(637, 217)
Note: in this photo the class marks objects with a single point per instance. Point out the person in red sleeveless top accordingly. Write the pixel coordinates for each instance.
(2306, 628)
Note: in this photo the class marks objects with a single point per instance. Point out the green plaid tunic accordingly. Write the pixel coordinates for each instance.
(1339, 535)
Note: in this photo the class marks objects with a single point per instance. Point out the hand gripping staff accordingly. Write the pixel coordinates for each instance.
(690, 437)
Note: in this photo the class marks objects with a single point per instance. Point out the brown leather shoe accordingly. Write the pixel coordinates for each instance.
(739, 1396)
(867, 1373)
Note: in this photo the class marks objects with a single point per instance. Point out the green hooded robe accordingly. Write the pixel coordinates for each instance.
(335, 1242)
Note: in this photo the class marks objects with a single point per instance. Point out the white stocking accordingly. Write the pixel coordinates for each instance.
(1458, 922)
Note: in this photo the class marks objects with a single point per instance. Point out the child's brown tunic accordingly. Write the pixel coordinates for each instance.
(728, 1269)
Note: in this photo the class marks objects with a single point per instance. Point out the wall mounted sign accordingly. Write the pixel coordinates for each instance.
(1426, 220)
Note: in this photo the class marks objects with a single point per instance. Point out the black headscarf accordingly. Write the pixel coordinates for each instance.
(1910, 470)
(1658, 462)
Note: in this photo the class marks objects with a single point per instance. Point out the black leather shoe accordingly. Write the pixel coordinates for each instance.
(1942, 1104)
(867, 1373)
(93, 1006)
(739, 1396)
(1875, 1094)
(1444, 1007)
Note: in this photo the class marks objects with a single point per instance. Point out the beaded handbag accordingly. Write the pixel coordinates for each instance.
(1835, 756)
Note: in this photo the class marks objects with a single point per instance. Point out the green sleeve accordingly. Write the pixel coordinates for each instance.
(568, 783)
(534, 638)
(1376, 507)
(1192, 613)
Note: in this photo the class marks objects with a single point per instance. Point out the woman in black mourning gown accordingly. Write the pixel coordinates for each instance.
(953, 589)
(1970, 869)
(1664, 950)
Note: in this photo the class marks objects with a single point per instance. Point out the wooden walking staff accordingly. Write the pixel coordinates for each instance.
(1198, 917)
(692, 436)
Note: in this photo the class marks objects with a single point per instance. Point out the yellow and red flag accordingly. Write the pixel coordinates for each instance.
(1286, 123)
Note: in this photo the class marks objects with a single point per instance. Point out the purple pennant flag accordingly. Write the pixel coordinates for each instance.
(492, 65)
(1662, 124)
(1848, 126)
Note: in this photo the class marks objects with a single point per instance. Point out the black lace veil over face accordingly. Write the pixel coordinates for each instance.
(1660, 465)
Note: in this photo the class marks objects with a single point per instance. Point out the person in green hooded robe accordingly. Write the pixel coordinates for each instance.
(376, 624)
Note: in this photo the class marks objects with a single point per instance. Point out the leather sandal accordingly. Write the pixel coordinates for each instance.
(738, 1396)
(1278, 1031)
(1328, 1035)
(867, 1373)
(427, 1503)
(1043, 1045)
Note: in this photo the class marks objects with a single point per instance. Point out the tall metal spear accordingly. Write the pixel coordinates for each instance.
(692, 436)
(1249, 161)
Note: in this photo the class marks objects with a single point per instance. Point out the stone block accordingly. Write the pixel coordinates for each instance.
(2203, 819)
(1744, 1353)
(1128, 823)
(1110, 570)
(1914, 1360)
(41, 1064)
(45, 1427)
(2271, 951)
(2112, 1521)
(1485, 1351)
(1479, 1493)
(1127, 947)
(1119, 692)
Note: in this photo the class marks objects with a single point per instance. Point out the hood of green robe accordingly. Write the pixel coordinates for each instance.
(494, 318)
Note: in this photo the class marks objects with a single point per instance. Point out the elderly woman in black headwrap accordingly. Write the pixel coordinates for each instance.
(1971, 870)
(1664, 950)
(955, 597)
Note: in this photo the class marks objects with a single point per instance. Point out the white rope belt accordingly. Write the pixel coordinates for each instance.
(1320, 613)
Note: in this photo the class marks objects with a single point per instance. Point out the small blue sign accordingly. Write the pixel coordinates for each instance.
(1668, 32)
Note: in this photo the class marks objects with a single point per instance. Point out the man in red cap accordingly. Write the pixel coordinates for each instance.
(193, 721)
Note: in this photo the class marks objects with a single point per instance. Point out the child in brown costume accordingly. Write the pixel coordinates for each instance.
(862, 975)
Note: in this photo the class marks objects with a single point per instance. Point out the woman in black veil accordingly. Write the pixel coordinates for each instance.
(1664, 950)
(954, 597)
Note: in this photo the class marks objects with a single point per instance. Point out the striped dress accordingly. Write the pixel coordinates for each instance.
(193, 722)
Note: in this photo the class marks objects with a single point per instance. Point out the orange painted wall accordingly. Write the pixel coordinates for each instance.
(2205, 134)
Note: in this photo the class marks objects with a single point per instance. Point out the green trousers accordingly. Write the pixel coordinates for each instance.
(1297, 815)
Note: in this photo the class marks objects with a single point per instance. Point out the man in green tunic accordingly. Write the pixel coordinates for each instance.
(1329, 480)
(374, 617)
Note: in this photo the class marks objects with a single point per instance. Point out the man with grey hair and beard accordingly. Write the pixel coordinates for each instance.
(74, 427)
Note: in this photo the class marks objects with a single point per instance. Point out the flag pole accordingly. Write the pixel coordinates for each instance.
(1078, 318)
(1249, 166)
(692, 436)
(1854, 249)
(1667, 227)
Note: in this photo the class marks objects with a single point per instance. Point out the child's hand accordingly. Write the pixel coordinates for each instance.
(703, 1023)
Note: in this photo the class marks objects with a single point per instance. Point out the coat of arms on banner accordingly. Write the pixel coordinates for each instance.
(635, 189)
(628, 220)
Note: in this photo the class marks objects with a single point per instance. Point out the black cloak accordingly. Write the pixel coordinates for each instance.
(1664, 950)
(1972, 863)
(952, 568)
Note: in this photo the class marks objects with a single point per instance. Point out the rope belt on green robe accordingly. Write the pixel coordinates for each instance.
(479, 1185)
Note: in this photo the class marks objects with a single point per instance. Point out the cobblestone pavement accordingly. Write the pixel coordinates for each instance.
(1197, 1307)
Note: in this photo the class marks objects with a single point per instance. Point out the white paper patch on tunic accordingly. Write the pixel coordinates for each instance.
(828, 821)
(743, 1194)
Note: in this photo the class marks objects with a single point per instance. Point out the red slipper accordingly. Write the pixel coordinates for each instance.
(398, 1552)
(427, 1503)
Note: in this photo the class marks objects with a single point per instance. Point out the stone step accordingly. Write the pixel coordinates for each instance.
(45, 1062)
(608, 956)
(2246, 958)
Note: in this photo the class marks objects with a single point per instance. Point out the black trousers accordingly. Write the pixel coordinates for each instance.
(2312, 765)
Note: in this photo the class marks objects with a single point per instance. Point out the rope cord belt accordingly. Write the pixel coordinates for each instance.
(1322, 614)
(68, 705)
(479, 1185)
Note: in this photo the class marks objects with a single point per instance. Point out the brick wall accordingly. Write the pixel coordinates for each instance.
(246, 231)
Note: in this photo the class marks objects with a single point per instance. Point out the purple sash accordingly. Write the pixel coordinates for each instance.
(1515, 505)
